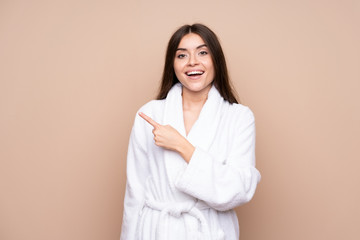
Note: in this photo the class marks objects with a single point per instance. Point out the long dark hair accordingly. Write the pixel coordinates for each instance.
(221, 79)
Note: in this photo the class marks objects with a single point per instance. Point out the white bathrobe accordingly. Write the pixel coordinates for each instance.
(166, 198)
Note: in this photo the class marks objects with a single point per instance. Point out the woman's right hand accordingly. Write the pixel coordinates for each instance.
(169, 138)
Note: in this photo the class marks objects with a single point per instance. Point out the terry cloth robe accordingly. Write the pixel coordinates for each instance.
(167, 198)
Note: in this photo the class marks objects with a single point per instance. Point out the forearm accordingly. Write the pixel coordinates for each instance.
(223, 185)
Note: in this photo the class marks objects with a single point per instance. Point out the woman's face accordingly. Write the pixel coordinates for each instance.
(193, 64)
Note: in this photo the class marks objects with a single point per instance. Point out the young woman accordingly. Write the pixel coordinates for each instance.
(191, 156)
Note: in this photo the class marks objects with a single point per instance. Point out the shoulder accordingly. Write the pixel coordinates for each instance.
(239, 112)
(237, 118)
(240, 123)
(153, 109)
(141, 128)
(151, 105)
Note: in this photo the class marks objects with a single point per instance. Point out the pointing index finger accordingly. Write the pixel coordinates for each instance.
(149, 120)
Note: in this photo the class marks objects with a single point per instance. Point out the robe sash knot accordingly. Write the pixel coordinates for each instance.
(181, 209)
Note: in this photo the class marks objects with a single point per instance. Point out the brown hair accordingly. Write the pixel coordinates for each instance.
(221, 79)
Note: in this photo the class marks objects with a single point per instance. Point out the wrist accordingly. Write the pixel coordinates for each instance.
(186, 150)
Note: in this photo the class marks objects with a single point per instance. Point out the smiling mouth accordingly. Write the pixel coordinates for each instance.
(195, 73)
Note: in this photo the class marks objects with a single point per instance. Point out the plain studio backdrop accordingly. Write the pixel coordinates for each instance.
(74, 73)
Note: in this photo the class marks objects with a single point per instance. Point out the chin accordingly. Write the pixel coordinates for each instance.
(196, 87)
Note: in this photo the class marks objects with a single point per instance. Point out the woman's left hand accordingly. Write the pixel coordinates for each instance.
(167, 137)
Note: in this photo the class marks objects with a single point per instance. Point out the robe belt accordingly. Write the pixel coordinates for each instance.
(176, 209)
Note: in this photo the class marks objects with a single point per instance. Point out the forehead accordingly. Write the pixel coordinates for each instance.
(191, 41)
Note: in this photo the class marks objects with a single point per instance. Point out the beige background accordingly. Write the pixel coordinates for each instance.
(73, 74)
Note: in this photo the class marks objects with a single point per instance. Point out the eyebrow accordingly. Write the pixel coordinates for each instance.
(184, 49)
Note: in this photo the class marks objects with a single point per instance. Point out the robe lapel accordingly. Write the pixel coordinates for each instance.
(203, 131)
(173, 115)
(201, 134)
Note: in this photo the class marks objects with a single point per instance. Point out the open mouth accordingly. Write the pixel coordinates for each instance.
(194, 73)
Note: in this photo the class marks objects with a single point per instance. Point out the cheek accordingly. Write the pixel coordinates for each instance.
(209, 63)
(210, 67)
(178, 67)
(177, 70)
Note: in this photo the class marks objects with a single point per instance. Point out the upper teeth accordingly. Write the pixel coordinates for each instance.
(195, 72)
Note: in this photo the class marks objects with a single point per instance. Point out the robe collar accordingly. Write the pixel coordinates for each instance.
(204, 129)
(202, 132)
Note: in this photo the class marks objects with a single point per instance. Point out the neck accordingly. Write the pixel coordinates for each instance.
(194, 99)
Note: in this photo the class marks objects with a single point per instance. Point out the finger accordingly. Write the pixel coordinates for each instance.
(149, 120)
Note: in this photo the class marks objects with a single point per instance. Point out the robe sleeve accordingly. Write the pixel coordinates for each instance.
(224, 184)
(137, 172)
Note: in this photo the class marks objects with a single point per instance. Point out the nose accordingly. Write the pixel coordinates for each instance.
(192, 60)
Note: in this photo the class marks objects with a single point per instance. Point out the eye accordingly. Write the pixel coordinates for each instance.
(203, 52)
(181, 55)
